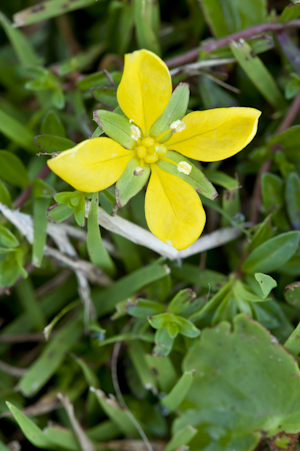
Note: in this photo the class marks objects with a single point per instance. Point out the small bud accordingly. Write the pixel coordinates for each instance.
(184, 167)
(177, 126)
(139, 171)
(135, 132)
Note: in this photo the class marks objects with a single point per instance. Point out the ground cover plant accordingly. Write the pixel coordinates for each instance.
(120, 327)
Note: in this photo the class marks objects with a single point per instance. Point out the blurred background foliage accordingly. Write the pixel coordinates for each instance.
(105, 344)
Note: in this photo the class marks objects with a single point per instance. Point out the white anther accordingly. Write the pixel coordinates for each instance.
(139, 171)
(131, 120)
(184, 167)
(177, 126)
(135, 132)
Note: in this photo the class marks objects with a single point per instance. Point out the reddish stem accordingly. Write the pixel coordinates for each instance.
(212, 45)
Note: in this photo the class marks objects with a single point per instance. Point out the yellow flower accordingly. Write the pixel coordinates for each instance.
(173, 208)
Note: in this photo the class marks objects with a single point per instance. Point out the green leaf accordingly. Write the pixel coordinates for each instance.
(137, 356)
(31, 431)
(4, 195)
(292, 197)
(290, 12)
(123, 288)
(163, 370)
(266, 283)
(22, 46)
(106, 95)
(115, 413)
(27, 298)
(98, 79)
(7, 238)
(50, 359)
(144, 13)
(60, 212)
(16, 131)
(52, 125)
(222, 179)
(43, 11)
(62, 438)
(116, 127)
(175, 110)
(51, 143)
(287, 141)
(243, 367)
(193, 274)
(181, 438)
(12, 170)
(97, 252)
(258, 73)
(292, 344)
(58, 98)
(187, 328)
(11, 266)
(272, 254)
(195, 178)
(233, 15)
(263, 232)
(144, 308)
(74, 200)
(163, 342)
(212, 95)
(133, 179)
(89, 375)
(181, 300)
(292, 294)
(173, 399)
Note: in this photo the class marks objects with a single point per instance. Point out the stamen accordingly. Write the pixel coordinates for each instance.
(161, 150)
(184, 167)
(141, 151)
(148, 142)
(151, 158)
(177, 126)
(135, 132)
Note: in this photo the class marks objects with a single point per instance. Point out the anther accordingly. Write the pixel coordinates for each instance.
(184, 167)
(139, 171)
(177, 126)
(135, 132)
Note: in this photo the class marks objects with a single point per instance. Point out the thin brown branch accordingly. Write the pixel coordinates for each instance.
(27, 192)
(210, 46)
(12, 370)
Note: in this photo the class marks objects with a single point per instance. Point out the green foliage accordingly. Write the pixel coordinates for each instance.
(196, 350)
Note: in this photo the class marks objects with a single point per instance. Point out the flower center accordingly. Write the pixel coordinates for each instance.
(149, 150)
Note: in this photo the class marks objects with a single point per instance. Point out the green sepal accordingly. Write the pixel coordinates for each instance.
(129, 184)
(196, 178)
(175, 110)
(117, 127)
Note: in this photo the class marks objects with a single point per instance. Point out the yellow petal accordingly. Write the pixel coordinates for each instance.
(174, 212)
(92, 165)
(217, 134)
(145, 88)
